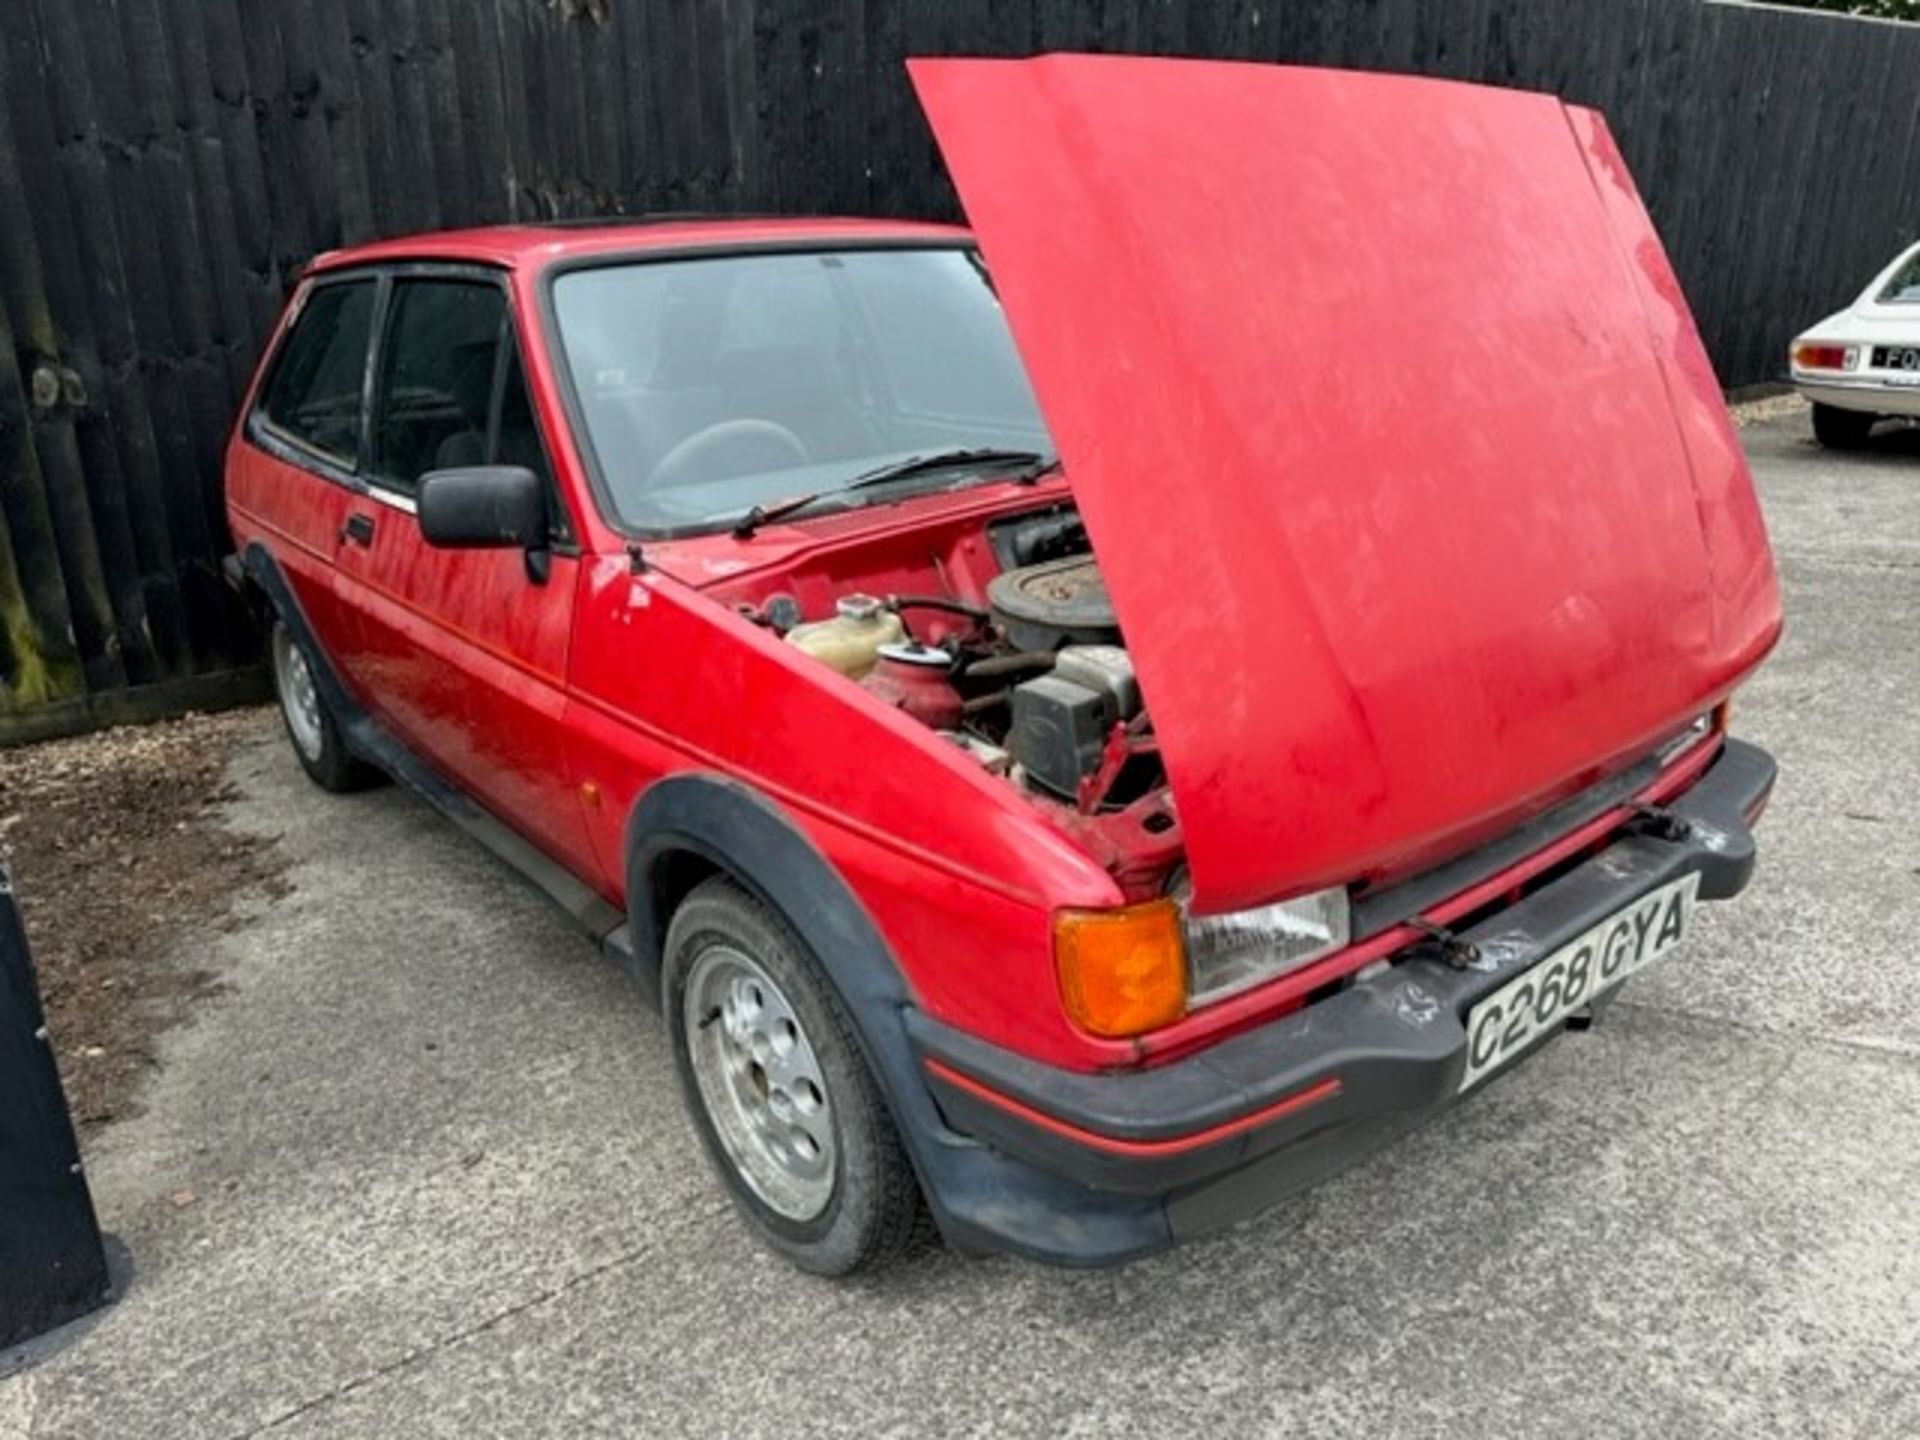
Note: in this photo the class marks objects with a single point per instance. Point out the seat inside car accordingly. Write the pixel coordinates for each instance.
(463, 447)
(425, 422)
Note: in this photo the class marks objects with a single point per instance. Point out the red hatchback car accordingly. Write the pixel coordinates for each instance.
(1078, 748)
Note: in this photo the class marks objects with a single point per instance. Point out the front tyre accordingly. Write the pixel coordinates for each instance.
(310, 724)
(774, 1080)
(1839, 429)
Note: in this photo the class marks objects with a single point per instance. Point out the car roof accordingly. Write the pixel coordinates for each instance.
(536, 244)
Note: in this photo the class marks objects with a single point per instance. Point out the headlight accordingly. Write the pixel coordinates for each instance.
(1229, 953)
(1134, 968)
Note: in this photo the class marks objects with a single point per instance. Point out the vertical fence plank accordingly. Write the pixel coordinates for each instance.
(173, 381)
(486, 186)
(106, 140)
(40, 664)
(337, 103)
(438, 81)
(156, 146)
(509, 22)
(1742, 200)
(172, 278)
(38, 660)
(51, 150)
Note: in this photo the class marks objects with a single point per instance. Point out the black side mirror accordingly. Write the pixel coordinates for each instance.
(486, 507)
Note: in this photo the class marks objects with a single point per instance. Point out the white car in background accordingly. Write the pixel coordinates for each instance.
(1863, 364)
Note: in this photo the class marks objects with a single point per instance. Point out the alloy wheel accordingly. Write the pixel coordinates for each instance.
(299, 697)
(760, 1082)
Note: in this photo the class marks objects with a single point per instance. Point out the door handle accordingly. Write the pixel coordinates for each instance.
(358, 529)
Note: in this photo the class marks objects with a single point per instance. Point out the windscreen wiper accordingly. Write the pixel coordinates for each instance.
(1028, 465)
(1021, 460)
(759, 515)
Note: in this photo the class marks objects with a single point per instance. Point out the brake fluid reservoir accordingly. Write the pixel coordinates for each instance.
(850, 642)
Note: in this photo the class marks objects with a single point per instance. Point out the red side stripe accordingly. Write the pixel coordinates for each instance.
(1149, 1149)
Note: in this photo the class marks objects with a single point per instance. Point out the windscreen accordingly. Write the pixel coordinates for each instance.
(708, 386)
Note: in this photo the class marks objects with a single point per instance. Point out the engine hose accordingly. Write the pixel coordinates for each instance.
(995, 665)
(936, 602)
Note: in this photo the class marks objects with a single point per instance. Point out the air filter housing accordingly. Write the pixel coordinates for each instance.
(1058, 602)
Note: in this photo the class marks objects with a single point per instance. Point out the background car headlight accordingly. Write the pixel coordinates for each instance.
(1229, 953)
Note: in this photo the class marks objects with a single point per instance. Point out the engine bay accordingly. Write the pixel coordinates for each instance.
(1007, 647)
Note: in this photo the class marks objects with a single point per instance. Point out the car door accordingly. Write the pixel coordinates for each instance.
(291, 476)
(463, 653)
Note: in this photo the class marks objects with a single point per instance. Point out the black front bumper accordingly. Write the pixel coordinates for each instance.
(1093, 1169)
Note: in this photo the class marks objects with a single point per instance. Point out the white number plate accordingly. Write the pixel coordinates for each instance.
(1519, 1012)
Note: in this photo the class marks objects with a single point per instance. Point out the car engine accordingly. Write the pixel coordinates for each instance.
(1036, 685)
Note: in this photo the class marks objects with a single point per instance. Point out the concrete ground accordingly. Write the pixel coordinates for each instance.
(440, 1183)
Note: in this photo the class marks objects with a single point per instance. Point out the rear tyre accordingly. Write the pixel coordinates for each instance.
(779, 1094)
(311, 726)
(1839, 429)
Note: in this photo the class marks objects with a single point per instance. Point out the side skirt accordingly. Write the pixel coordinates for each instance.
(372, 742)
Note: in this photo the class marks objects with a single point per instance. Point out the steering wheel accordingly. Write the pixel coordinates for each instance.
(752, 445)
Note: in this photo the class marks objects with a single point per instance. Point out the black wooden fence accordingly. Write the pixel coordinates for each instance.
(167, 165)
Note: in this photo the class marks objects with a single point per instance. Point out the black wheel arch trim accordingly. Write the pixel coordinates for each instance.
(258, 565)
(981, 1198)
(744, 835)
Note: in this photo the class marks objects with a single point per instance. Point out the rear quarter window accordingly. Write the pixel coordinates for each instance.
(1904, 287)
(314, 392)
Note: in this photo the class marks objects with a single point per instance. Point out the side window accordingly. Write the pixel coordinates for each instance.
(1904, 287)
(517, 434)
(314, 393)
(436, 378)
(518, 439)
